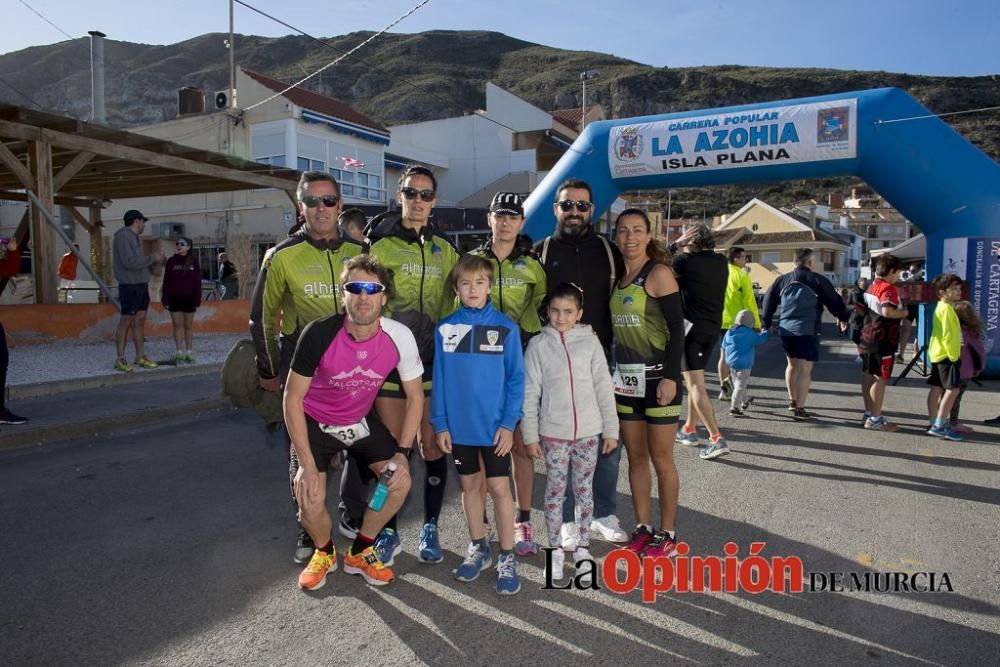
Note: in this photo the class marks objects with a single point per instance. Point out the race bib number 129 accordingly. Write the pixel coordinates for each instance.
(630, 380)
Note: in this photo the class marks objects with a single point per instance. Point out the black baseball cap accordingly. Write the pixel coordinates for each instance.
(508, 203)
(132, 214)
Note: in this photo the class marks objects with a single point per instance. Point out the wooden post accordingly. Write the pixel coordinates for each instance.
(96, 241)
(42, 235)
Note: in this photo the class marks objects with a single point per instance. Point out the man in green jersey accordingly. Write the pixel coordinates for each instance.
(298, 283)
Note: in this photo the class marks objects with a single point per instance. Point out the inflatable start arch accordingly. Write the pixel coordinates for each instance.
(931, 174)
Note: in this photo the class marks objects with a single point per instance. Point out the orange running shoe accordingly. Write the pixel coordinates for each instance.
(320, 565)
(368, 565)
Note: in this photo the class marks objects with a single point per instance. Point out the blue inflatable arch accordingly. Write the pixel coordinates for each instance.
(930, 173)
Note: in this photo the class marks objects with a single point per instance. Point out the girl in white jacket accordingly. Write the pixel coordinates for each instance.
(569, 405)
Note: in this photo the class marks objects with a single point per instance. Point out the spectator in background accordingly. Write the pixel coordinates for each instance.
(229, 281)
(857, 308)
(181, 296)
(352, 225)
(131, 269)
(739, 297)
(10, 264)
(797, 299)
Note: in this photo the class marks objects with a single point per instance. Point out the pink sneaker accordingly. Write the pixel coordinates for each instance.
(524, 539)
(961, 428)
(638, 541)
(661, 546)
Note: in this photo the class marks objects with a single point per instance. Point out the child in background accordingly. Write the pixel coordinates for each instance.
(972, 357)
(738, 346)
(566, 371)
(945, 351)
(476, 402)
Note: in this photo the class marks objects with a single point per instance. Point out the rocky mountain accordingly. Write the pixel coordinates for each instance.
(400, 78)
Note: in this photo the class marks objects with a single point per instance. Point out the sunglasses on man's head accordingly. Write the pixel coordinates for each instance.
(366, 287)
(568, 204)
(411, 193)
(328, 200)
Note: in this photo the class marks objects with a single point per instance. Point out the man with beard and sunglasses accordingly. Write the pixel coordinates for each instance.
(339, 366)
(420, 259)
(299, 280)
(576, 253)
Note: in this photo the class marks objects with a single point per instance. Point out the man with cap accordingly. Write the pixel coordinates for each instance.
(131, 268)
(518, 291)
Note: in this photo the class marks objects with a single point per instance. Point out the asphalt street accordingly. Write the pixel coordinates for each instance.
(171, 545)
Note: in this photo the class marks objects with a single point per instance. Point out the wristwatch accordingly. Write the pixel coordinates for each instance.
(405, 451)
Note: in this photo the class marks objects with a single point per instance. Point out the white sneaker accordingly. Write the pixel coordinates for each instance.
(569, 536)
(607, 529)
(581, 553)
(558, 559)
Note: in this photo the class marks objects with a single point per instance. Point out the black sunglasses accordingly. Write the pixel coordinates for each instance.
(328, 200)
(411, 193)
(568, 204)
(366, 287)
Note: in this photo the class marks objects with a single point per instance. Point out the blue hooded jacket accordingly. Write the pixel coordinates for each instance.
(478, 375)
(740, 343)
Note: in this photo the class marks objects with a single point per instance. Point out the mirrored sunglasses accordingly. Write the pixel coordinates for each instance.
(367, 288)
(568, 204)
(328, 200)
(411, 193)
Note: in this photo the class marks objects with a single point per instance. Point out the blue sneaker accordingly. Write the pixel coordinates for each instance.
(714, 450)
(475, 563)
(946, 432)
(686, 438)
(508, 583)
(388, 546)
(429, 546)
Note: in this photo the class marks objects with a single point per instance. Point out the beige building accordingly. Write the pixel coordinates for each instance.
(771, 236)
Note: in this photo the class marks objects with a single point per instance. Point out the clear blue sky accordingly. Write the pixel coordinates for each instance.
(942, 37)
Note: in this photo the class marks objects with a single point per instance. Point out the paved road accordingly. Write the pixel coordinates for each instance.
(171, 546)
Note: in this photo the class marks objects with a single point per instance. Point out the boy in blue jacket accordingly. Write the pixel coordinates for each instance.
(738, 346)
(476, 403)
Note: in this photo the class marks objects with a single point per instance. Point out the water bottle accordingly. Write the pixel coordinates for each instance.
(382, 489)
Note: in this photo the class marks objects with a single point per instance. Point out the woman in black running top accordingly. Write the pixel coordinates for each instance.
(647, 322)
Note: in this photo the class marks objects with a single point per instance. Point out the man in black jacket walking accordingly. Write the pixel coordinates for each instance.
(576, 253)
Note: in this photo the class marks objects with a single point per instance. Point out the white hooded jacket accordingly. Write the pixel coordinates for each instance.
(567, 389)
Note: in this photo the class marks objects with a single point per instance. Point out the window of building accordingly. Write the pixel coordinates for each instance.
(305, 164)
(208, 259)
(770, 257)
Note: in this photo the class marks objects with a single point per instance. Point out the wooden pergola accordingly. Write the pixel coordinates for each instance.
(80, 165)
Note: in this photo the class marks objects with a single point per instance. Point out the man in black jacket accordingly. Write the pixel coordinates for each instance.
(576, 253)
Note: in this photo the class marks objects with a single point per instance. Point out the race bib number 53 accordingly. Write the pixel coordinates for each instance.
(630, 380)
(347, 434)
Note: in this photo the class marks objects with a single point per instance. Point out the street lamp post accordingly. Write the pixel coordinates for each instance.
(584, 77)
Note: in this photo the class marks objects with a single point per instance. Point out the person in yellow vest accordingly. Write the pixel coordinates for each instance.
(739, 296)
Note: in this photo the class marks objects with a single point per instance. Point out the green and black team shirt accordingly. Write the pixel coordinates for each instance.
(300, 279)
(638, 325)
(420, 264)
(519, 285)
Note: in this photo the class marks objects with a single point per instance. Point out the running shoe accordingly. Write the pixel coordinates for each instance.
(746, 404)
(568, 535)
(508, 583)
(865, 418)
(661, 546)
(304, 548)
(8, 417)
(475, 563)
(639, 539)
(956, 426)
(880, 424)
(429, 547)
(801, 414)
(992, 420)
(726, 392)
(490, 536)
(145, 362)
(715, 449)
(347, 527)
(524, 539)
(179, 358)
(387, 546)
(689, 438)
(736, 412)
(189, 357)
(945, 432)
(792, 407)
(123, 366)
(581, 553)
(369, 566)
(608, 529)
(320, 565)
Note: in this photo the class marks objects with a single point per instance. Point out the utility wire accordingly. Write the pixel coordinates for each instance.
(341, 57)
(45, 19)
(25, 96)
(935, 115)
